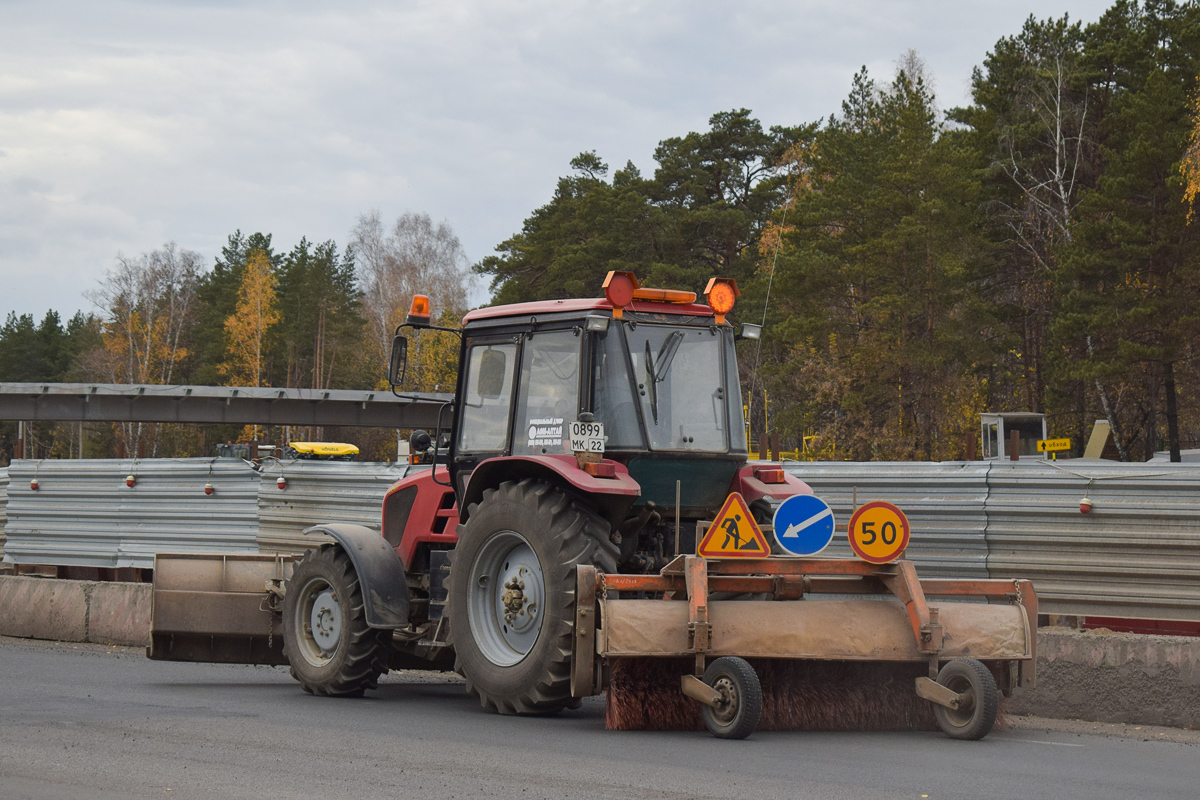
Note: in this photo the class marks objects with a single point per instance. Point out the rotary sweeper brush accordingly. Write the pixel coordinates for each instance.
(889, 661)
(559, 535)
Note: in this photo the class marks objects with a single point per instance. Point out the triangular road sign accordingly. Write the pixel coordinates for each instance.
(734, 533)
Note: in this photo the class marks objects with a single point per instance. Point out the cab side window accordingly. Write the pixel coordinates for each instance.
(488, 397)
(548, 400)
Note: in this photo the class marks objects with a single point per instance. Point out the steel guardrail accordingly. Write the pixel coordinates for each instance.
(1136, 554)
(120, 402)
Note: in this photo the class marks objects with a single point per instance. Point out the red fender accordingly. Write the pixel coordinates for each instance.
(613, 496)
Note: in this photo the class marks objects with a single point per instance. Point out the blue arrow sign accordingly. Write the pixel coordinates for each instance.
(804, 525)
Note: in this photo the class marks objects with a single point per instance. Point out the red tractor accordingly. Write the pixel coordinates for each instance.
(588, 432)
(589, 442)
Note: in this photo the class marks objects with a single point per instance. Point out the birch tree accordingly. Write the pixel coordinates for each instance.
(414, 257)
(147, 305)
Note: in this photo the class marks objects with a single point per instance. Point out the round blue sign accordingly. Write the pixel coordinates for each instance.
(804, 525)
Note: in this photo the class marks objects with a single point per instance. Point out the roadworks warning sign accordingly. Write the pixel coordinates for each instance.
(734, 533)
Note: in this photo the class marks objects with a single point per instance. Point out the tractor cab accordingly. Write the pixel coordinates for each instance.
(652, 369)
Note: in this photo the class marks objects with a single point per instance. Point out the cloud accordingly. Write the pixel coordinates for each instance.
(124, 125)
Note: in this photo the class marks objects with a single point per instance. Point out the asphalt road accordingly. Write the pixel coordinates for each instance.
(104, 722)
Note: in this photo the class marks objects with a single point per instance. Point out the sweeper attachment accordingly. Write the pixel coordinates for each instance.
(872, 655)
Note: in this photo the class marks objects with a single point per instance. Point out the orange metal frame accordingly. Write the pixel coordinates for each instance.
(693, 577)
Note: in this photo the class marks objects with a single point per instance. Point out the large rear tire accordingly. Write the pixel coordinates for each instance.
(512, 593)
(326, 639)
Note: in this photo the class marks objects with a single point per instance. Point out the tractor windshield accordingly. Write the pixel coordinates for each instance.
(676, 377)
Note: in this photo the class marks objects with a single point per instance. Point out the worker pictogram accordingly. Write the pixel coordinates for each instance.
(803, 525)
(734, 533)
(878, 532)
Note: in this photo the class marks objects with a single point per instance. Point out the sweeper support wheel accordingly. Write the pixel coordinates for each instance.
(735, 715)
(978, 699)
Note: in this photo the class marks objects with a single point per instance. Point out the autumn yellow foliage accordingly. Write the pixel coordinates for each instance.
(247, 328)
(1190, 166)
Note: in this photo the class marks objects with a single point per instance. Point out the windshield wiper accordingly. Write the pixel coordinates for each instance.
(657, 367)
(666, 354)
(652, 382)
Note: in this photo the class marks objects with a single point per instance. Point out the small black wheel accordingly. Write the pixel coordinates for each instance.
(326, 639)
(512, 594)
(737, 714)
(981, 699)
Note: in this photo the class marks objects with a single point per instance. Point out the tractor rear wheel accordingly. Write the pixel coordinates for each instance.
(326, 639)
(512, 593)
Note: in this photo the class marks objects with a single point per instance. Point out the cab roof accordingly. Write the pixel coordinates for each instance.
(581, 305)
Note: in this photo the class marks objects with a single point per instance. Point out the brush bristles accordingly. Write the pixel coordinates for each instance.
(644, 694)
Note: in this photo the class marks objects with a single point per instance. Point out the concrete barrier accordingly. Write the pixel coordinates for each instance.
(75, 611)
(1114, 677)
(1091, 675)
(119, 613)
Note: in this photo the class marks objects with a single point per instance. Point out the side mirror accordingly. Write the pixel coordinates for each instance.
(399, 363)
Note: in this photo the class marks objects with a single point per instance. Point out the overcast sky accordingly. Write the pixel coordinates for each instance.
(125, 125)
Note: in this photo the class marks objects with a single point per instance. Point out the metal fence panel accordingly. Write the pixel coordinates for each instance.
(83, 514)
(3, 506)
(319, 491)
(944, 503)
(1136, 554)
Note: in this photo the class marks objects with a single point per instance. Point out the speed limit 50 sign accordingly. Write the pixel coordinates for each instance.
(878, 532)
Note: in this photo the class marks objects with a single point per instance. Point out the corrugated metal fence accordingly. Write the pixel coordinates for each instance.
(319, 491)
(1137, 554)
(83, 513)
(944, 502)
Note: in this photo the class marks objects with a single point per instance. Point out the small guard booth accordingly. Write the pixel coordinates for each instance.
(996, 432)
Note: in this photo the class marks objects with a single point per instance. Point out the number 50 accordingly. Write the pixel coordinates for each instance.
(887, 532)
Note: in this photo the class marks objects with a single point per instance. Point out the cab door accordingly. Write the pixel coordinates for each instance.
(484, 414)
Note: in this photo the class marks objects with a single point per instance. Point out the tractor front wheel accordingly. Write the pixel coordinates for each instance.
(512, 593)
(326, 640)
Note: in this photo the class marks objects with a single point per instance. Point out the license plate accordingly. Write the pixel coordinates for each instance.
(587, 437)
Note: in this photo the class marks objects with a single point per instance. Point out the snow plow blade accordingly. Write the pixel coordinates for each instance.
(218, 608)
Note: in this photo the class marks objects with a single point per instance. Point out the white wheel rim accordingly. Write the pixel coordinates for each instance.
(318, 622)
(506, 599)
